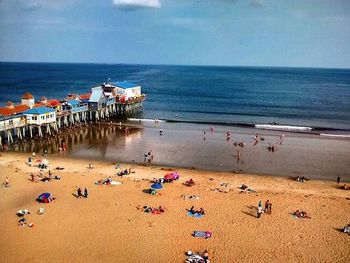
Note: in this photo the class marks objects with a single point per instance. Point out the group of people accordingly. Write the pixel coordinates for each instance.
(301, 179)
(301, 214)
(35, 178)
(200, 211)
(267, 209)
(124, 172)
(148, 156)
(81, 194)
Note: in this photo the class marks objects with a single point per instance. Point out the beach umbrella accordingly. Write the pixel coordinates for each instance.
(169, 177)
(43, 197)
(157, 186)
(172, 176)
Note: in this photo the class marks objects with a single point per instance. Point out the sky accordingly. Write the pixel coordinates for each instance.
(294, 33)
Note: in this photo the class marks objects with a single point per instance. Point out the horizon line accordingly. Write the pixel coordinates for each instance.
(190, 65)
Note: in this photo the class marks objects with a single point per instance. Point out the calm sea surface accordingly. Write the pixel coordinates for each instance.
(210, 94)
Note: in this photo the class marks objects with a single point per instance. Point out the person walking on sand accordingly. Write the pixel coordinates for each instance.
(259, 212)
(338, 180)
(79, 193)
(33, 154)
(85, 193)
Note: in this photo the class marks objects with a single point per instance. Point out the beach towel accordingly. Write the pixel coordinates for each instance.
(197, 215)
(196, 259)
(203, 234)
(22, 212)
(115, 183)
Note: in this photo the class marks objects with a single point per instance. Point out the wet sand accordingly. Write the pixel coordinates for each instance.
(183, 145)
(107, 227)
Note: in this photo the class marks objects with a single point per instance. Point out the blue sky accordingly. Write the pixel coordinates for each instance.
(298, 33)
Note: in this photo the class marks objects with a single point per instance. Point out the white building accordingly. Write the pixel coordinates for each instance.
(40, 115)
(28, 99)
(127, 89)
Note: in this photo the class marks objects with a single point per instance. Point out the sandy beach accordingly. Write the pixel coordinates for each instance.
(108, 227)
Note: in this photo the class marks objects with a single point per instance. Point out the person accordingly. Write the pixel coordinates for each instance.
(85, 193)
(33, 155)
(268, 207)
(32, 177)
(201, 211)
(346, 229)
(260, 211)
(30, 161)
(238, 156)
(7, 182)
(206, 256)
(90, 166)
(192, 210)
(79, 193)
(338, 180)
(45, 152)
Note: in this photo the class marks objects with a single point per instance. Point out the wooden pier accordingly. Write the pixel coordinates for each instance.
(45, 118)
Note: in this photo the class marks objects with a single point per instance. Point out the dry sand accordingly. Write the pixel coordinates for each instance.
(107, 227)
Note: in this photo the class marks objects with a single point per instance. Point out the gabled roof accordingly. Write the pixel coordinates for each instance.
(96, 95)
(53, 103)
(125, 85)
(27, 96)
(85, 96)
(6, 111)
(39, 110)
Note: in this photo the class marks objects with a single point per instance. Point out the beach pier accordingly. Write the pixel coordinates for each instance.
(40, 119)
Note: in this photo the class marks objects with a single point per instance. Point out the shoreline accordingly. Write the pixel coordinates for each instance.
(184, 145)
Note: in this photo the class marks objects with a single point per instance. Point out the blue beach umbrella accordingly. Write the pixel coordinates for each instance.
(157, 186)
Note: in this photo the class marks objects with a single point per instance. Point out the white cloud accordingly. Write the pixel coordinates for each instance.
(135, 4)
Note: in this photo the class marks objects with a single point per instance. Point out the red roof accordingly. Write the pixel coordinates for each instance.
(27, 96)
(85, 96)
(49, 103)
(6, 111)
(53, 103)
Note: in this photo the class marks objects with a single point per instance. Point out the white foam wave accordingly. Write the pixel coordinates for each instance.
(336, 135)
(144, 120)
(282, 127)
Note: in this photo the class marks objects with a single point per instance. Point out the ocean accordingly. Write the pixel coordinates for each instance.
(304, 97)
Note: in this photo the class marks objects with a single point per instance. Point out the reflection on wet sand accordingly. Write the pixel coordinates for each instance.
(98, 137)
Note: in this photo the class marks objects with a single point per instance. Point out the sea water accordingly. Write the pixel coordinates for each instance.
(253, 96)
